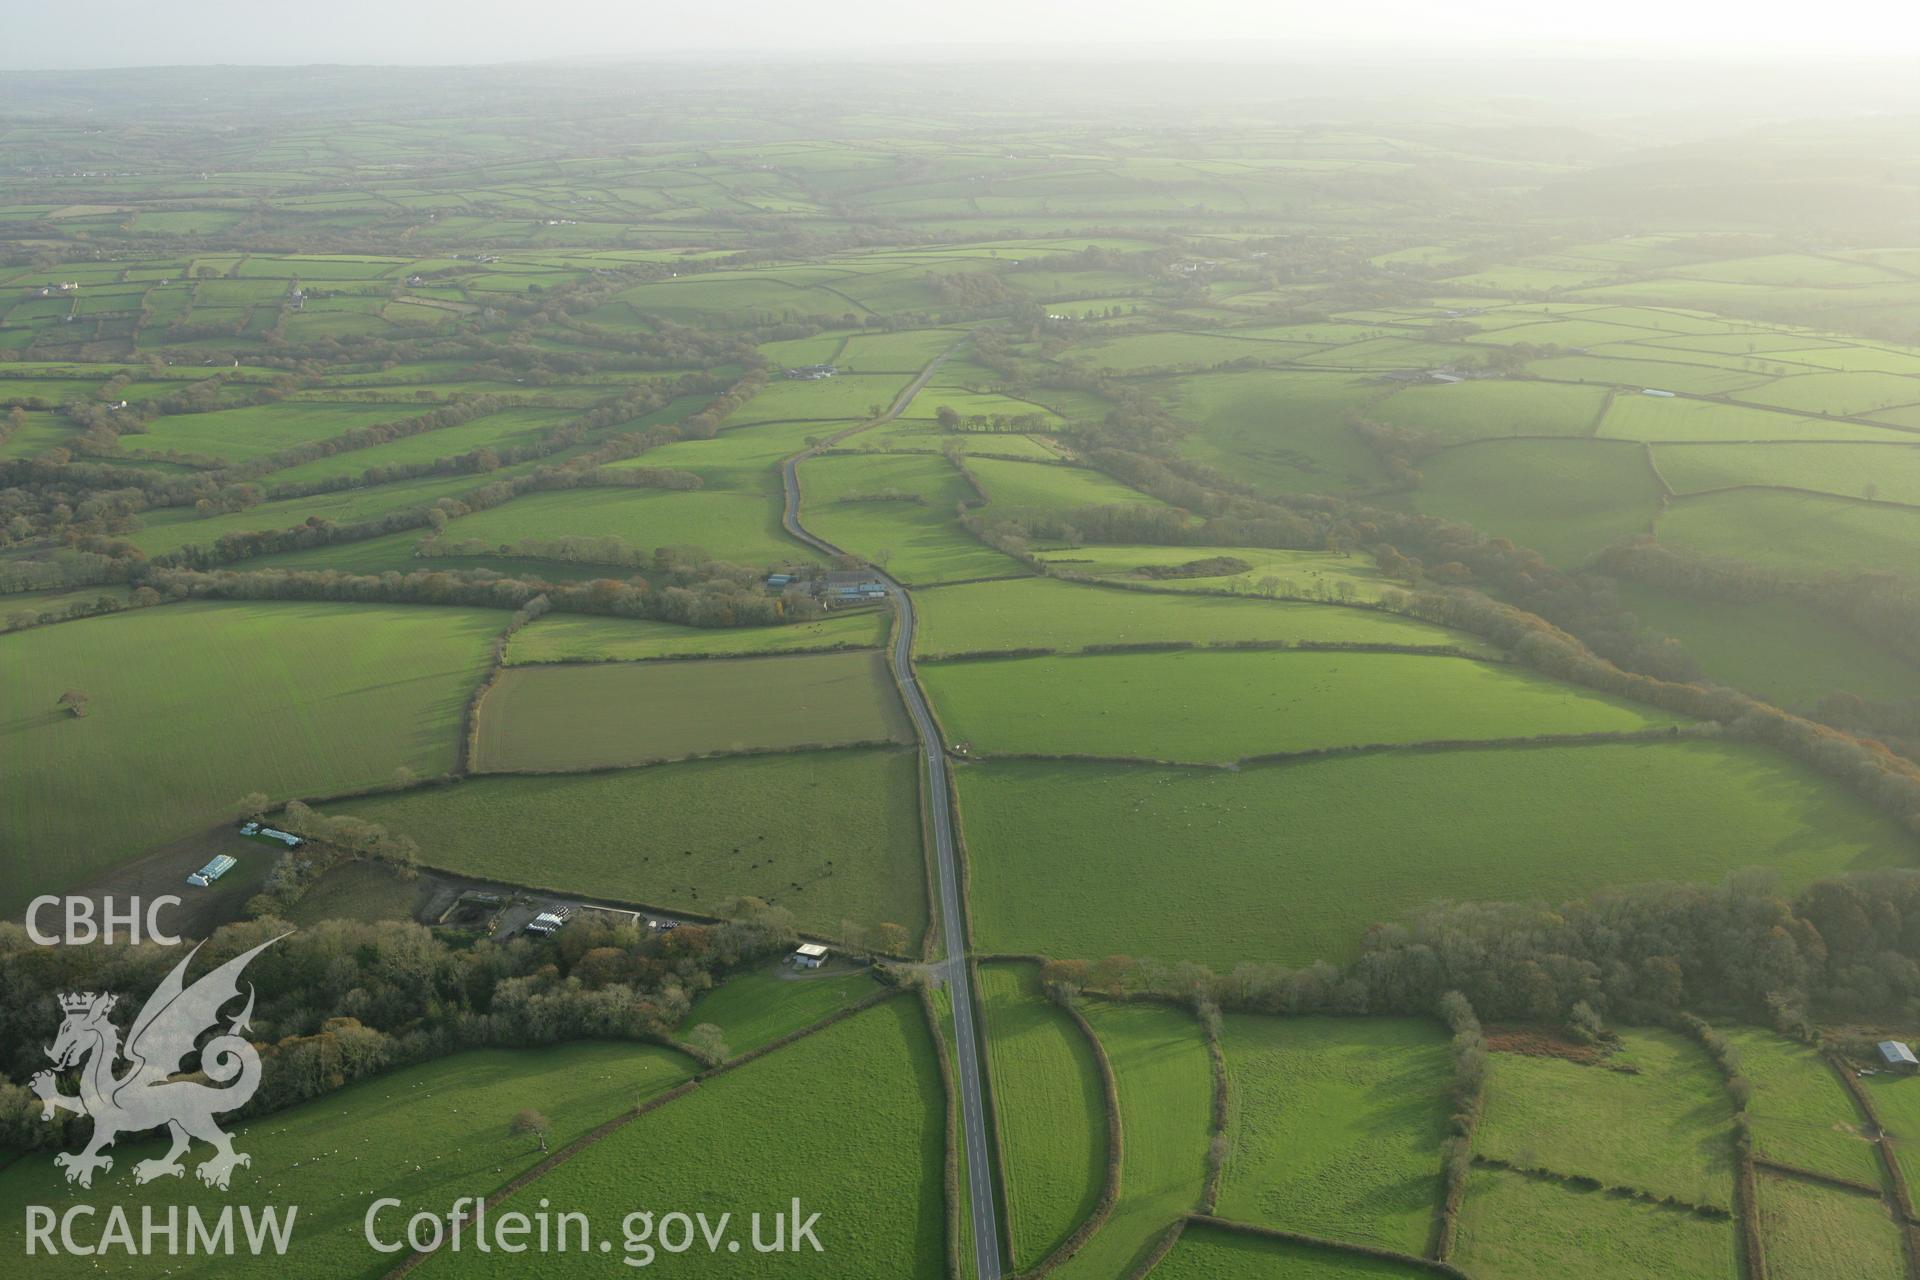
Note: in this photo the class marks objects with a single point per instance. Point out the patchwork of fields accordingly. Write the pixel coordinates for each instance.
(1266, 551)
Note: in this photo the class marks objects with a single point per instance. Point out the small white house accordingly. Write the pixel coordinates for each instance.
(809, 955)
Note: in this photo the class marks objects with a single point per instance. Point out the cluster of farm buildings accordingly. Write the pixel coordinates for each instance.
(835, 590)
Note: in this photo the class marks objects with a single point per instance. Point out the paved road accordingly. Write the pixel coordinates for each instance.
(952, 969)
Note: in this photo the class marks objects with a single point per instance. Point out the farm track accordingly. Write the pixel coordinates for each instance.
(952, 969)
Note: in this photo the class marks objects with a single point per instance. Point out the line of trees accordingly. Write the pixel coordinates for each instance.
(709, 594)
(338, 1001)
(1843, 948)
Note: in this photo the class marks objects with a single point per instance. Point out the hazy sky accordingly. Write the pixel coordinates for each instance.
(115, 33)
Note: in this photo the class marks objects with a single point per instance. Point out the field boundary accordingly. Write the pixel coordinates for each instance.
(1116, 1142)
(950, 1165)
(1801, 1173)
(697, 657)
(733, 753)
(1209, 646)
(470, 712)
(1221, 1113)
(1666, 733)
(1162, 1246)
(1852, 499)
(1746, 1202)
(1411, 1260)
(1583, 1182)
(625, 1118)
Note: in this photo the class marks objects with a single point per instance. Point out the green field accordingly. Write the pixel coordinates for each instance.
(1655, 418)
(1566, 499)
(1303, 844)
(1028, 484)
(425, 1135)
(1838, 393)
(756, 1007)
(511, 429)
(169, 528)
(1664, 1126)
(1479, 410)
(743, 528)
(1783, 652)
(1280, 431)
(1663, 373)
(918, 542)
(1896, 1100)
(904, 351)
(1219, 706)
(1800, 1114)
(555, 718)
(1130, 353)
(256, 431)
(739, 458)
(1311, 574)
(1797, 533)
(576, 637)
(858, 1112)
(363, 890)
(1825, 1234)
(919, 435)
(1887, 472)
(1335, 1126)
(1513, 1227)
(838, 397)
(1208, 1253)
(1046, 612)
(18, 609)
(691, 836)
(1165, 1085)
(1052, 1114)
(289, 699)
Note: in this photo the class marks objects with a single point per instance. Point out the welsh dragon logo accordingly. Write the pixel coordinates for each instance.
(157, 1048)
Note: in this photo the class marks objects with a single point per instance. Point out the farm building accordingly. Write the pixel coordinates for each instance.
(286, 838)
(809, 955)
(1653, 391)
(549, 922)
(212, 871)
(811, 372)
(858, 593)
(854, 588)
(1896, 1056)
